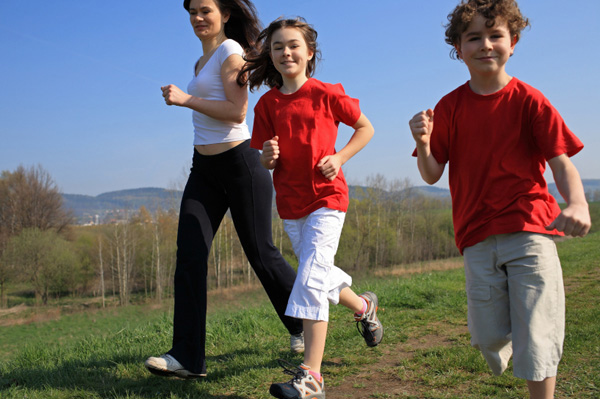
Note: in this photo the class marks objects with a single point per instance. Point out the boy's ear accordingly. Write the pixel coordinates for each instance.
(457, 48)
(513, 43)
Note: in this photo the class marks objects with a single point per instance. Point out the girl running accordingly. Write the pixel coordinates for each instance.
(295, 125)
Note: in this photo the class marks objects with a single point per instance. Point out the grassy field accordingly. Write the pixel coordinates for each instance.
(425, 352)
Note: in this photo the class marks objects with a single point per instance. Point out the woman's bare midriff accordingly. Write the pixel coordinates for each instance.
(214, 149)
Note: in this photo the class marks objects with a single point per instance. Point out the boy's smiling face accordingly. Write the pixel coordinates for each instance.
(485, 50)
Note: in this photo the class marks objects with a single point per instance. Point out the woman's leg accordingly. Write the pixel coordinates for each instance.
(250, 194)
(202, 208)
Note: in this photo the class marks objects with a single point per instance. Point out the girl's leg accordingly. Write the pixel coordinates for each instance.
(249, 194)
(315, 334)
(202, 209)
(350, 300)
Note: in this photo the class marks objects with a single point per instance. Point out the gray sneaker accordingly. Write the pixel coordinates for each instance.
(167, 366)
(302, 386)
(297, 343)
(368, 324)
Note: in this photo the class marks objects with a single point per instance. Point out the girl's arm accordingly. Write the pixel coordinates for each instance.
(575, 219)
(331, 164)
(231, 110)
(421, 126)
(270, 153)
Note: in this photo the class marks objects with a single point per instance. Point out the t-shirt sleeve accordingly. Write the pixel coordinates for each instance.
(440, 136)
(550, 131)
(262, 129)
(345, 108)
(228, 48)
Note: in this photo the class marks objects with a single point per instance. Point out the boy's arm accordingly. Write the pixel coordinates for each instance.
(331, 164)
(421, 126)
(575, 219)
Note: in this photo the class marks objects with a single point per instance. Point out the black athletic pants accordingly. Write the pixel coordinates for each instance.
(237, 181)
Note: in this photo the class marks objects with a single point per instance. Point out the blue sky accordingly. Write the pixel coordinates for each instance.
(81, 81)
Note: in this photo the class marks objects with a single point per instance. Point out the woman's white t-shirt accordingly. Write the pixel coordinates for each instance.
(209, 86)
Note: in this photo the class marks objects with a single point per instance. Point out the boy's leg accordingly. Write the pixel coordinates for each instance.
(488, 304)
(542, 389)
(537, 308)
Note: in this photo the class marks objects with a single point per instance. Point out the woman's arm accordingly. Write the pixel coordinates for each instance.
(233, 109)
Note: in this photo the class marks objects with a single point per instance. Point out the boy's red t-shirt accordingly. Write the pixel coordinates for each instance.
(497, 146)
(307, 124)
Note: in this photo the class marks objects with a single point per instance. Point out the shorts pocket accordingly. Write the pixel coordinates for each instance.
(479, 292)
(319, 276)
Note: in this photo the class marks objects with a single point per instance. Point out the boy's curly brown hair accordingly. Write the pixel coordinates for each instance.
(463, 14)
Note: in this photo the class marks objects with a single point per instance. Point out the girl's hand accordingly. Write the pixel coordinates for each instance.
(270, 153)
(174, 95)
(421, 126)
(330, 166)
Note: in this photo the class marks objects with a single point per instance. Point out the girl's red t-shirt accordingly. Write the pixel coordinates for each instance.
(306, 123)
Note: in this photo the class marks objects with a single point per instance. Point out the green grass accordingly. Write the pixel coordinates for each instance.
(425, 353)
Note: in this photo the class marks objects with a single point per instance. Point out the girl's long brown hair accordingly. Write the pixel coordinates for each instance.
(259, 68)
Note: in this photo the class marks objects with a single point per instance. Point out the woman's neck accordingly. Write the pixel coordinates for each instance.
(210, 44)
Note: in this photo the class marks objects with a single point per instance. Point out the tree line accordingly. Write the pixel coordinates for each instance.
(387, 224)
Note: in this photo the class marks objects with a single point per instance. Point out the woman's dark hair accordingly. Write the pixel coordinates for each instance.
(259, 68)
(243, 25)
(460, 18)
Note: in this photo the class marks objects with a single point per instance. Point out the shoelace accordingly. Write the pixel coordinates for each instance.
(366, 325)
(290, 369)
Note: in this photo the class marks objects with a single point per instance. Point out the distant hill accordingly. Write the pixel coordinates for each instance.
(590, 186)
(118, 204)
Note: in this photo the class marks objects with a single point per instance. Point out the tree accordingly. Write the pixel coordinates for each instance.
(122, 242)
(29, 198)
(44, 259)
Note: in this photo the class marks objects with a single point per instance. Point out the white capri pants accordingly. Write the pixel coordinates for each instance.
(315, 240)
(516, 303)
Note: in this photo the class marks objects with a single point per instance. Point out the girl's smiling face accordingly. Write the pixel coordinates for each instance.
(485, 50)
(290, 54)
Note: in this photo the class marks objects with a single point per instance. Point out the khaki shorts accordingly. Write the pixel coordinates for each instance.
(516, 303)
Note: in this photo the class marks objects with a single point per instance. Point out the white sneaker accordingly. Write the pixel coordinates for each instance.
(167, 366)
(297, 343)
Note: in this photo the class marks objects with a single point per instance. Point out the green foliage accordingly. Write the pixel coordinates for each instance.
(44, 259)
(388, 224)
(426, 347)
